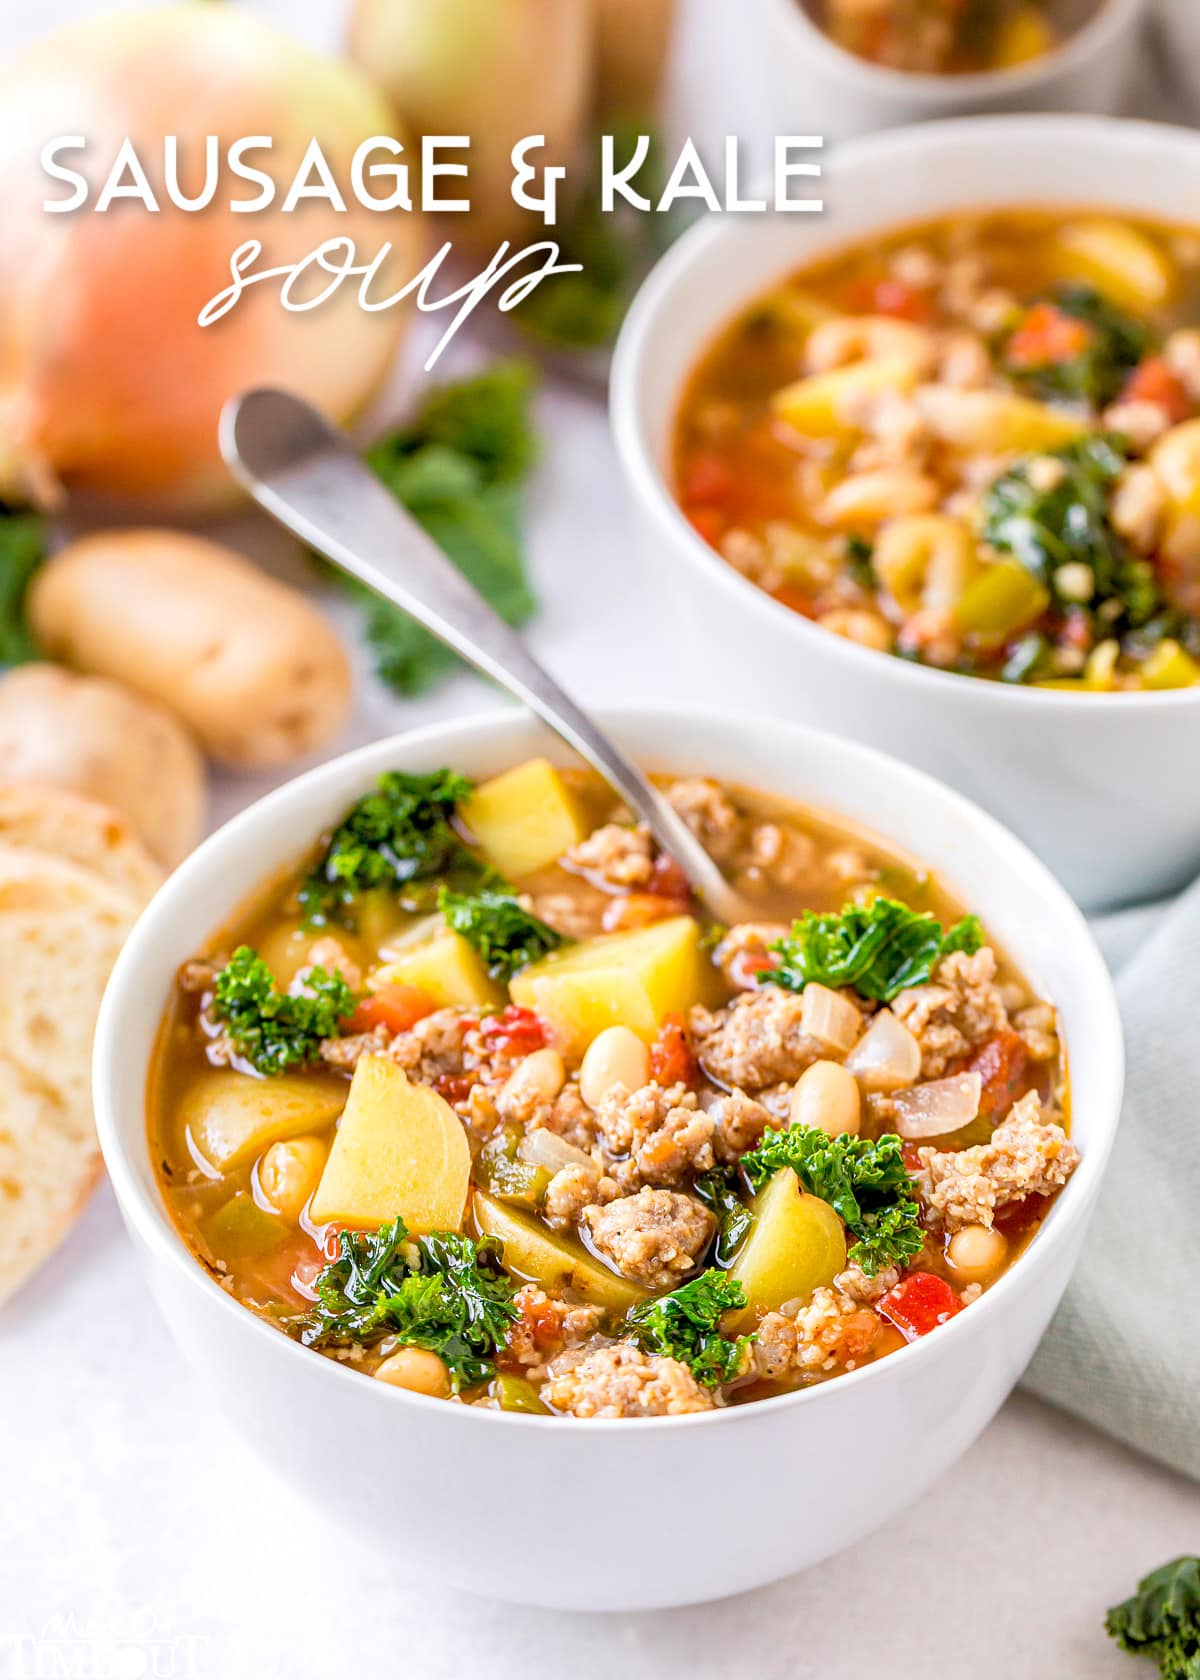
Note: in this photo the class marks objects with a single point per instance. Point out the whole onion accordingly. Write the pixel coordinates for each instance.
(107, 382)
(497, 71)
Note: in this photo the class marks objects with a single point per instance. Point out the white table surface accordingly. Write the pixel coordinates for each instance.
(140, 1537)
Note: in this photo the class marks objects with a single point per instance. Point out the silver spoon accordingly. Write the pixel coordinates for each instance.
(307, 474)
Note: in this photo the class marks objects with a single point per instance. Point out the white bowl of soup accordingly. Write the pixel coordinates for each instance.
(952, 421)
(572, 1189)
(845, 67)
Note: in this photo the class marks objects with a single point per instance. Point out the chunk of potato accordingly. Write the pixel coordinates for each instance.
(241, 1230)
(524, 819)
(400, 1150)
(795, 1244)
(822, 404)
(446, 968)
(1118, 260)
(631, 979)
(995, 422)
(544, 1257)
(231, 1117)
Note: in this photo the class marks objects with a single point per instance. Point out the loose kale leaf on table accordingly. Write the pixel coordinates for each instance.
(1162, 1620)
(458, 467)
(22, 550)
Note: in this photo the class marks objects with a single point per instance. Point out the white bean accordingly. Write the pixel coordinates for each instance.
(826, 1096)
(537, 1080)
(617, 1056)
(416, 1369)
(976, 1252)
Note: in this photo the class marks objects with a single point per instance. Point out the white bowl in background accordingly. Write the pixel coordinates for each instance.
(1100, 785)
(820, 88)
(458, 1493)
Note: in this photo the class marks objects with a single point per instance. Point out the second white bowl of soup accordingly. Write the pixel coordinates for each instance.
(956, 419)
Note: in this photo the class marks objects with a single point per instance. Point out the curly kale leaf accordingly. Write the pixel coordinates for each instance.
(507, 936)
(274, 1030)
(721, 1192)
(879, 949)
(22, 550)
(684, 1325)
(1069, 523)
(402, 833)
(1162, 1620)
(865, 1182)
(444, 1292)
(458, 467)
(1110, 346)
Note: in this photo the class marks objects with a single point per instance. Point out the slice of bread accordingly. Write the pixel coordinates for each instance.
(81, 831)
(61, 928)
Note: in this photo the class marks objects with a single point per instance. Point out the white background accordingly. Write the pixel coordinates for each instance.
(129, 1507)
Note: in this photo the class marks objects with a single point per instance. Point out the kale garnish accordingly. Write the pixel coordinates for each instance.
(274, 1030)
(1069, 523)
(684, 1325)
(444, 1292)
(495, 924)
(1111, 344)
(864, 1180)
(720, 1190)
(402, 833)
(879, 949)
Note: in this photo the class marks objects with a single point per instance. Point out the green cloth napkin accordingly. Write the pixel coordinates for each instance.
(1124, 1348)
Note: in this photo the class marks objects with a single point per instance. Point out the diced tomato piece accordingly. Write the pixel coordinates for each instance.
(796, 599)
(1046, 337)
(707, 480)
(1154, 381)
(707, 522)
(900, 300)
(1001, 1064)
(910, 1155)
(331, 1234)
(455, 1087)
(744, 969)
(919, 1303)
(638, 910)
(668, 879)
(517, 1031)
(671, 1058)
(395, 1007)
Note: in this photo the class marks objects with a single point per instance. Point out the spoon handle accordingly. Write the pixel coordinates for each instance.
(305, 473)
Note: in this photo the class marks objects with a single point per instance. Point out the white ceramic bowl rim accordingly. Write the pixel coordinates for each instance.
(1092, 36)
(699, 244)
(149, 1218)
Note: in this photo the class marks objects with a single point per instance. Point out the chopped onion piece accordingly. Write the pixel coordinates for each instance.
(887, 1056)
(830, 1018)
(941, 1107)
(543, 1148)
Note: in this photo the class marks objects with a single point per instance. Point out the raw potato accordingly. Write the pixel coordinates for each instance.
(60, 928)
(100, 740)
(81, 831)
(250, 665)
(633, 40)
